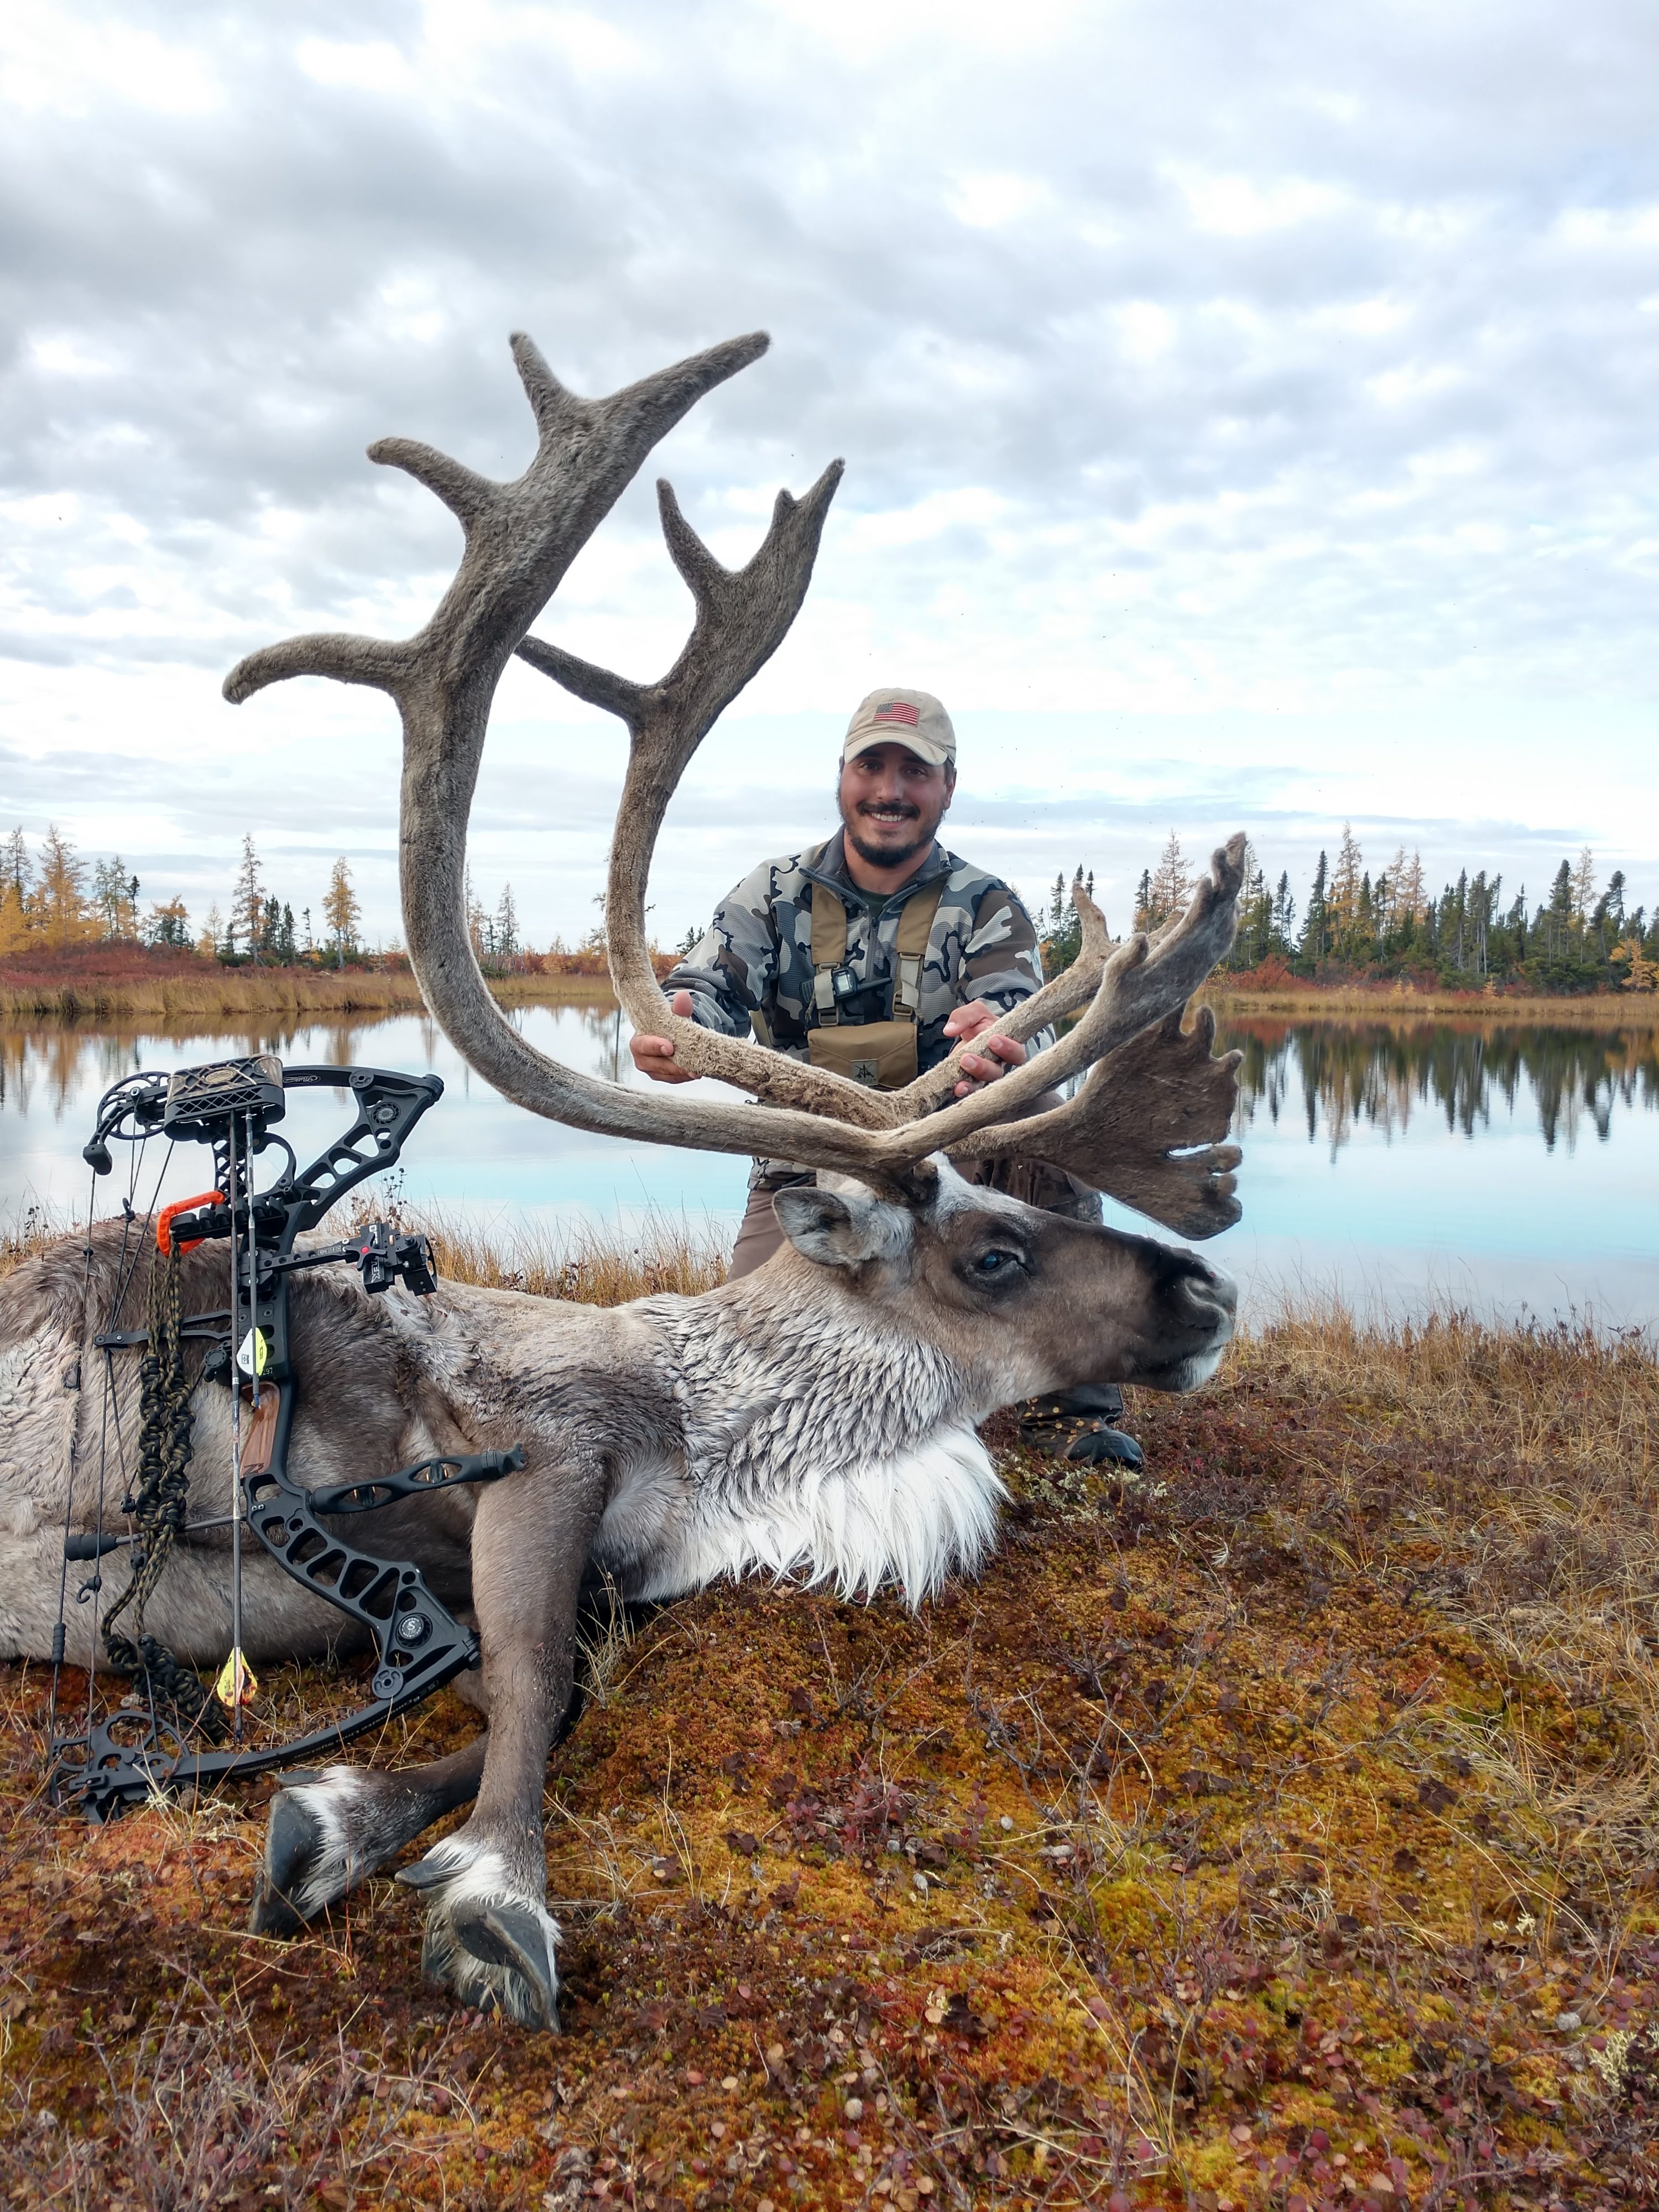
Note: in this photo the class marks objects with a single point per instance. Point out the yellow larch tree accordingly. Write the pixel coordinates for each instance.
(341, 911)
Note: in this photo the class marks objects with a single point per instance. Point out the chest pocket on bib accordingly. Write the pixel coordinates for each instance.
(882, 1054)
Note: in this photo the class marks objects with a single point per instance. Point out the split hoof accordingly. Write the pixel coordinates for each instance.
(513, 1938)
(495, 1952)
(310, 1860)
(293, 1843)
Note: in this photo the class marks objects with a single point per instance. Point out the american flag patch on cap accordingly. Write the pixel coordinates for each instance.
(884, 714)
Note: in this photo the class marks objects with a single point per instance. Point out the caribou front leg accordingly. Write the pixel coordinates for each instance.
(331, 1831)
(489, 1935)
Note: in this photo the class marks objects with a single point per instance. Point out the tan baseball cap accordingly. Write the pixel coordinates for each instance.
(914, 719)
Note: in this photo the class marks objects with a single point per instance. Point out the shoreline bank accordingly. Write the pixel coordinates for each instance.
(237, 995)
(1602, 1010)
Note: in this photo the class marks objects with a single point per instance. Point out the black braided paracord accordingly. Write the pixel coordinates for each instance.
(157, 1503)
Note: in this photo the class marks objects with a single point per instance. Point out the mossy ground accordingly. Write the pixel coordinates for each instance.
(1278, 1830)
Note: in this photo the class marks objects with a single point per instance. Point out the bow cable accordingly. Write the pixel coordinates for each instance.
(237, 1665)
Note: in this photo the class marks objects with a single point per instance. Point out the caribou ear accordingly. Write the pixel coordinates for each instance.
(844, 1228)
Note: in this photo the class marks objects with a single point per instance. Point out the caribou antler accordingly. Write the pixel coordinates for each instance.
(741, 618)
(1146, 1128)
(520, 537)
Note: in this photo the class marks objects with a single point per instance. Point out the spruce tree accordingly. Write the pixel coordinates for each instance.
(247, 903)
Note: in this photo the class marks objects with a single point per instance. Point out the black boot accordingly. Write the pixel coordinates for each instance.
(1080, 1425)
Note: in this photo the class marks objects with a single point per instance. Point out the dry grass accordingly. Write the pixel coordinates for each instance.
(1279, 1828)
(198, 992)
(1511, 1478)
(581, 1261)
(28, 1232)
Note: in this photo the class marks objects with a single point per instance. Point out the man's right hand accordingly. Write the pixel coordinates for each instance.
(654, 1055)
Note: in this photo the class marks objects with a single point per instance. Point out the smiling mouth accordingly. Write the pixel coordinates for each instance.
(870, 813)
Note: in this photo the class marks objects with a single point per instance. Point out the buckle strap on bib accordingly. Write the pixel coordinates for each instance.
(829, 948)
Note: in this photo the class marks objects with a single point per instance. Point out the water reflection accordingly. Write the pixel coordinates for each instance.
(56, 1067)
(1338, 1076)
(603, 1027)
(1400, 1161)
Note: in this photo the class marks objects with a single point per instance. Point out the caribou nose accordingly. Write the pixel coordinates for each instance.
(1206, 1288)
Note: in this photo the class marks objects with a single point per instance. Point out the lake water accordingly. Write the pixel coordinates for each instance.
(1402, 1164)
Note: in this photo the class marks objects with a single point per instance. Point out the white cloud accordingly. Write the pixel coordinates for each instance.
(373, 65)
(1148, 329)
(1240, 207)
(988, 202)
(1198, 373)
(50, 63)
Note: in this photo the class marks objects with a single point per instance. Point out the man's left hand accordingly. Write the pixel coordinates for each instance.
(994, 1053)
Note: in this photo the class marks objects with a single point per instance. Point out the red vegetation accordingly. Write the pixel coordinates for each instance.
(1248, 1838)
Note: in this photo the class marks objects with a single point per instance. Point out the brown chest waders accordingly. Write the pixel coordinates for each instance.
(882, 1054)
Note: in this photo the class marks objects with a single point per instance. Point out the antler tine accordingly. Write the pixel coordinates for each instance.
(380, 662)
(742, 615)
(1061, 995)
(551, 403)
(1139, 985)
(1146, 1127)
(468, 496)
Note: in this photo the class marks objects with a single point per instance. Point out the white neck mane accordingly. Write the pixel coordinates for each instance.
(840, 1453)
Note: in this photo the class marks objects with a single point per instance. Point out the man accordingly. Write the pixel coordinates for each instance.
(873, 955)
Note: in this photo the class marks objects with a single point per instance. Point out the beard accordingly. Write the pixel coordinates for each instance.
(888, 856)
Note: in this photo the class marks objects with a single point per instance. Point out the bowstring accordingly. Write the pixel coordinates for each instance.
(236, 1435)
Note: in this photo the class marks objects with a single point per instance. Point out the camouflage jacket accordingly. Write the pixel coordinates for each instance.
(757, 956)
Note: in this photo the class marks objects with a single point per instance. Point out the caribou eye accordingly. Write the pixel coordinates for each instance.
(995, 1262)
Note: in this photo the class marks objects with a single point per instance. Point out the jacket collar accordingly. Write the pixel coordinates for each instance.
(826, 864)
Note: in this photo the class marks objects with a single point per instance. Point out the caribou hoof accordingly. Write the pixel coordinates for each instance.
(494, 1950)
(309, 1862)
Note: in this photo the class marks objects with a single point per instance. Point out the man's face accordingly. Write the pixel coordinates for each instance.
(892, 803)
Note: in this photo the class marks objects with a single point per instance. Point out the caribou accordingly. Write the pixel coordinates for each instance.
(816, 1422)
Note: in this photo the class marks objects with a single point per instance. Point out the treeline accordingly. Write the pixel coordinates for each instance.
(55, 901)
(1352, 927)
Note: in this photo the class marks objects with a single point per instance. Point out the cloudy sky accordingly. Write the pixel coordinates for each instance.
(1248, 413)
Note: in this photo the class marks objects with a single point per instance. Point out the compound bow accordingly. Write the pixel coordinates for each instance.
(120, 1760)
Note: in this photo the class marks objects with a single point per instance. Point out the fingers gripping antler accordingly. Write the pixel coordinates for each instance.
(1062, 995)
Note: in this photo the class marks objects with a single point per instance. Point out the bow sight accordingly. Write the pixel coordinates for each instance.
(232, 1106)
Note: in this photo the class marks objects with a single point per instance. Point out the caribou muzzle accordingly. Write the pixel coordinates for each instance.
(1191, 1310)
